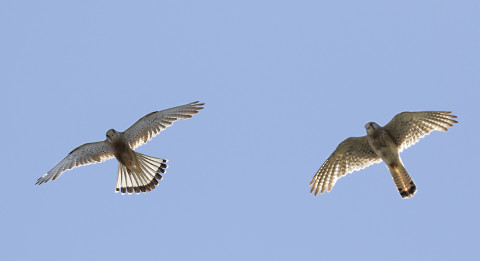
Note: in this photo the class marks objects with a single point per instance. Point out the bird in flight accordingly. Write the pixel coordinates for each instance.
(136, 172)
(381, 144)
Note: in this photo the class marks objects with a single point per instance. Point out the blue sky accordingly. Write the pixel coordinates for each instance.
(284, 83)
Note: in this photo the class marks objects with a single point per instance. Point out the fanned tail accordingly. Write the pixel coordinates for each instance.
(141, 178)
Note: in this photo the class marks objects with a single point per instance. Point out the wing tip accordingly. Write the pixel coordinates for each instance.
(449, 114)
(197, 103)
(42, 180)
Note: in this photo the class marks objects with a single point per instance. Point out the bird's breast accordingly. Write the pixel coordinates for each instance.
(384, 147)
(123, 152)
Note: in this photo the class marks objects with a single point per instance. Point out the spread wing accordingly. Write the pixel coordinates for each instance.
(352, 154)
(152, 124)
(86, 154)
(407, 128)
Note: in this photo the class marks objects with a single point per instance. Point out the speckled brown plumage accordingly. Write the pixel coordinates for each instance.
(381, 144)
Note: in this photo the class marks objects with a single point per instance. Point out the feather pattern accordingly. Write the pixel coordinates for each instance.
(153, 123)
(86, 154)
(352, 154)
(143, 178)
(407, 128)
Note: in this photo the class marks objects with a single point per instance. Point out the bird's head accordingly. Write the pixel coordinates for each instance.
(111, 134)
(371, 127)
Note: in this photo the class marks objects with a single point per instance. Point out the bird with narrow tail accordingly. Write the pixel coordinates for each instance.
(381, 144)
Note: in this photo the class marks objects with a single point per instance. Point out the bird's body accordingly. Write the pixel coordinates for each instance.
(381, 144)
(136, 172)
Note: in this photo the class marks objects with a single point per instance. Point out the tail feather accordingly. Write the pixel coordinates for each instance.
(141, 178)
(404, 182)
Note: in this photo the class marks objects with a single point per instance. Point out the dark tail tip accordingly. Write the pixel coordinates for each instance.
(408, 192)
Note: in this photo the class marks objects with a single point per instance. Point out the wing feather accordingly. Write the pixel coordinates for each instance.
(85, 154)
(153, 123)
(352, 154)
(407, 128)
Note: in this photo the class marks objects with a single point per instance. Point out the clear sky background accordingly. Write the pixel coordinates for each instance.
(284, 83)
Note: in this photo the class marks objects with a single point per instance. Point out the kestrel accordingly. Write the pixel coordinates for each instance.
(382, 143)
(136, 172)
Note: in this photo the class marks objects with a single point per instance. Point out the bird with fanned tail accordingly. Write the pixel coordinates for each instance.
(136, 172)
